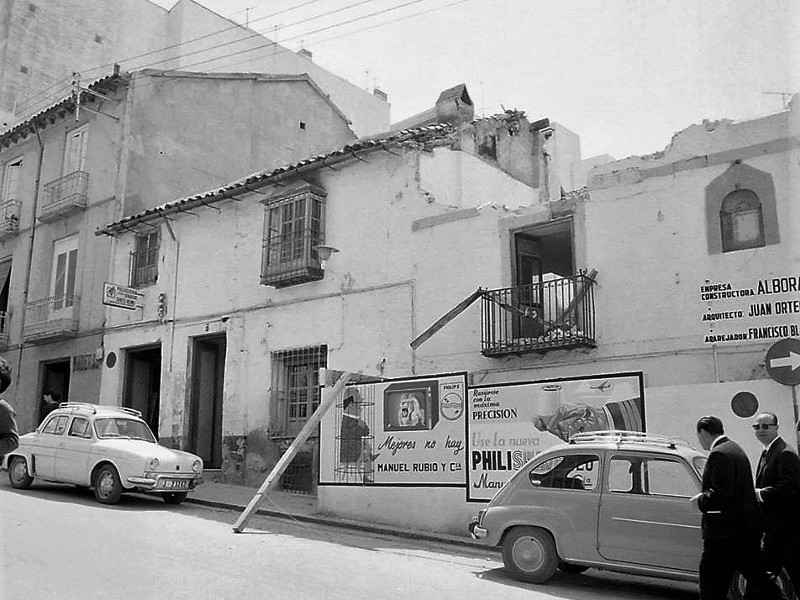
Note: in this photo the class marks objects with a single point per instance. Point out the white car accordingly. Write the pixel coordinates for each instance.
(108, 448)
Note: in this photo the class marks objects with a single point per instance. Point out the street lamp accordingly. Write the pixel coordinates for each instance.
(324, 253)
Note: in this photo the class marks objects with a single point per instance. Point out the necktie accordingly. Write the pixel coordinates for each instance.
(761, 462)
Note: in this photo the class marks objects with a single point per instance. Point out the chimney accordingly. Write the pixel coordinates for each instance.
(381, 94)
(305, 53)
(455, 106)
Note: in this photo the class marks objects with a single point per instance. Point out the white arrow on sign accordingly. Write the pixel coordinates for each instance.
(793, 361)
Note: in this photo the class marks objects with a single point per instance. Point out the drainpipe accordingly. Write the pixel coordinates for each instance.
(174, 289)
(31, 237)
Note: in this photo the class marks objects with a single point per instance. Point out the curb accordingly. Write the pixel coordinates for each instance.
(346, 524)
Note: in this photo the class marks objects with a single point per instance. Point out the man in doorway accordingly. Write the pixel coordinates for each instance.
(9, 438)
(50, 402)
(778, 493)
(731, 521)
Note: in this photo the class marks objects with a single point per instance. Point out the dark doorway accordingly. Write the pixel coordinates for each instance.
(543, 254)
(143, 383)
(205, 415)
(55, 379)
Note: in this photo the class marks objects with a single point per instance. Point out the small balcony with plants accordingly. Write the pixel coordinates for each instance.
(9, 218)
(64, 196)
(50, 319)
(553, 314)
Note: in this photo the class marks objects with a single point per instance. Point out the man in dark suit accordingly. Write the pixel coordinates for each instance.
(778, 493)
(731, 520)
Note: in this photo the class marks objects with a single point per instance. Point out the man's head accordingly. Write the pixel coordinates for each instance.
(709, 428)
(5, 375)
(352, 401)
(766, 427)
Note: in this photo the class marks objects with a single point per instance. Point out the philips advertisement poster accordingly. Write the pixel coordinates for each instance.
(508, 424)
(399, 432)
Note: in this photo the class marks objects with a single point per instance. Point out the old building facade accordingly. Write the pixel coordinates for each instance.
(131, 141)
(680, 267)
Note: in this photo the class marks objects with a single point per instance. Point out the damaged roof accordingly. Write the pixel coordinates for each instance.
(442, 133)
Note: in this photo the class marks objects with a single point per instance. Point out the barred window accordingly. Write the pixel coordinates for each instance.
(741, 221)
(294, 226)
(144, 259)
(295, 388)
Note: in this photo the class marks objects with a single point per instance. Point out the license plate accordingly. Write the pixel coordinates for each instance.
(175, 484)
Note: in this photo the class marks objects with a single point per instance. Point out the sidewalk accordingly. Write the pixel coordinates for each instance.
(302, 507)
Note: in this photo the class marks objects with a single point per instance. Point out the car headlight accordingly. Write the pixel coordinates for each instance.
(197, 466)
(153, 464)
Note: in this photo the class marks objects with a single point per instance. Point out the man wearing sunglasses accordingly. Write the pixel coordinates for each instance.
(778, 493)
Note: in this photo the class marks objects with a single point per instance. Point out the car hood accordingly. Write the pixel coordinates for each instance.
(167, 456)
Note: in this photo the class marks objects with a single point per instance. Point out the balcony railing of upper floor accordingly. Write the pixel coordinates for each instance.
(64, 196)
(9, 218)
(52, 318)
(538, 317)
(4, 321)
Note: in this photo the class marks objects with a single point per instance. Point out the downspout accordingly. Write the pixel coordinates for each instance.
(174, 290)
(31, 236)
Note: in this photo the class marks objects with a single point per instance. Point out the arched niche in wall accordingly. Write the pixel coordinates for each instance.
(736, 178)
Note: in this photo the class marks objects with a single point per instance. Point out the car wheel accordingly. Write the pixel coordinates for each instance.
(529, 554)
(739, 586)
(174, 497)
(107, 487)
(18, 473)
(571, 569)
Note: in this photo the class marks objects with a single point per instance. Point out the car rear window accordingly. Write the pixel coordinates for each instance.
(568, 471)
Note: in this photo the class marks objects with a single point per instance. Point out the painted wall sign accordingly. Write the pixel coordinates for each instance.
(397, 432)
(510, 423)
(120, 296)
(765, 309)
(84, 362)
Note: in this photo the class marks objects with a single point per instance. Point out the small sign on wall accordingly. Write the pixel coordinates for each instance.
(121, 296)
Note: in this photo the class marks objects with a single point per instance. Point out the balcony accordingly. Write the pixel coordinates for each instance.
(51, 319)
(4, 323)
(540, 317)
(64, 196)
(9, 218)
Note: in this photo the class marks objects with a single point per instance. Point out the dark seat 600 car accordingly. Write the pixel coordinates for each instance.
(614, 500)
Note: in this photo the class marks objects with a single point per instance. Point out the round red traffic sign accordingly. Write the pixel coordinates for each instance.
(783, 361)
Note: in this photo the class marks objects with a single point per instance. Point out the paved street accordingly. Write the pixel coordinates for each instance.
(57, 543)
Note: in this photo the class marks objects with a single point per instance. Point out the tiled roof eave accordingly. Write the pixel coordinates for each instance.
(251, 183)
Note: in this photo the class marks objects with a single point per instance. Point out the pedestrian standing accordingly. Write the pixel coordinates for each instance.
(731, 520)
(9, 438)
(778, 493)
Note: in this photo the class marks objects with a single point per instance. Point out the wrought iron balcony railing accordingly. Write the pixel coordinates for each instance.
(539, 317)
(9, 218)
(51, 318)
(64, 196)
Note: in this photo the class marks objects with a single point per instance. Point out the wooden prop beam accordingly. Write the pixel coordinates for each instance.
(457, 310)
(329, 396)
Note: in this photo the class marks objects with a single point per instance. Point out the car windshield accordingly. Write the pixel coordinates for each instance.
(121, 427)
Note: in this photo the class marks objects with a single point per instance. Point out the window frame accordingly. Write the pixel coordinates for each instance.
(737, 203)
(294, 225)
(75, 147)
(87, 431)
(12, 166)
(63, 293)
(289, 366)
(641, 482)
(146, 274)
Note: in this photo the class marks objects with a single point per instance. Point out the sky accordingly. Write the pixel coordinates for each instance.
(625, 75)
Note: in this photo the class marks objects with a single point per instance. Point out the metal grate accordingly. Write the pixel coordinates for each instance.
(294, 227)
(538, 317)
(144, 260)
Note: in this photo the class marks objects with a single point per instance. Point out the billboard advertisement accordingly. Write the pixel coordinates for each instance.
(507, 424)
(397, 432)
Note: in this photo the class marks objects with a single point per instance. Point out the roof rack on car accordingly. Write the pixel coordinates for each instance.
(619, 436)
(86, 405)
(93, 407)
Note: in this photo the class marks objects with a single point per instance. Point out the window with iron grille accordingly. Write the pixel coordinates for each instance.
(294, 225)
(144, 259)
(295, 388)
(741, 221)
